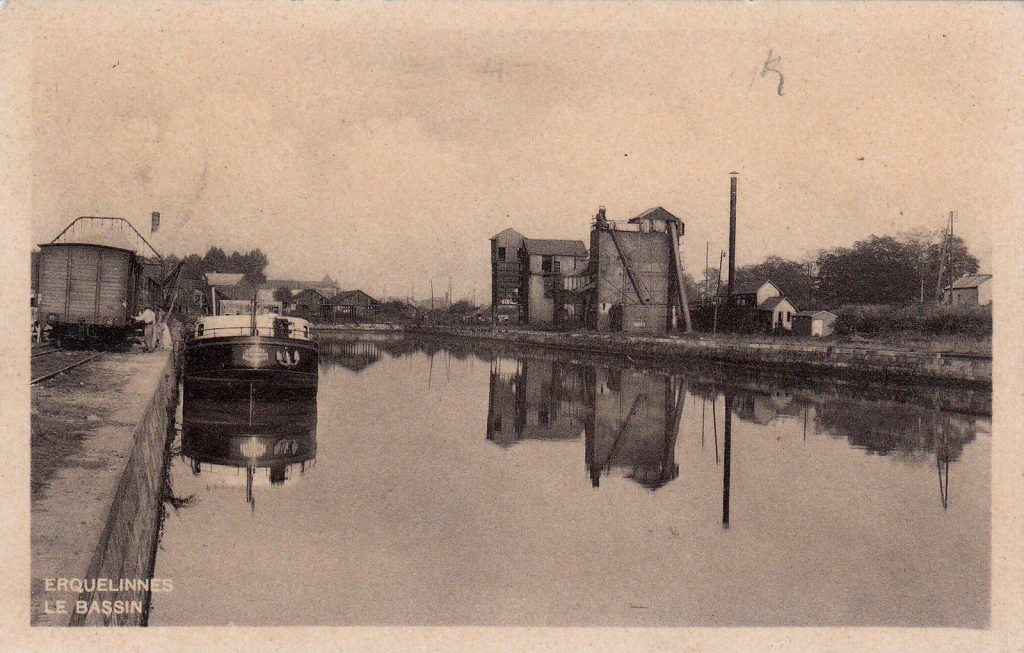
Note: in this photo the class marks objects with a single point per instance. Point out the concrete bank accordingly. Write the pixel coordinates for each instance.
(796, 358)
(356, 328)
(95, 520)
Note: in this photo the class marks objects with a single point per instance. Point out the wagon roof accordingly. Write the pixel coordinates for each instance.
(120, 247)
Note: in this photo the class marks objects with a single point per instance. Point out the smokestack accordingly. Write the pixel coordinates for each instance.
(732, 236)
(154, 226)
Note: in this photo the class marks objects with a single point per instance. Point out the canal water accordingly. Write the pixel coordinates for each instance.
(451, 483)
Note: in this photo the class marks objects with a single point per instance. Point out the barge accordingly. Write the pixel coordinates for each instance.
(269, 350)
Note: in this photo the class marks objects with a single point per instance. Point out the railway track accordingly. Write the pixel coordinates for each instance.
(62, 365)
(43, 350)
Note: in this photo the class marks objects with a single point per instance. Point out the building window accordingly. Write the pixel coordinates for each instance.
(545, 264)
(557, 266)
(542, 418)
(501, 253)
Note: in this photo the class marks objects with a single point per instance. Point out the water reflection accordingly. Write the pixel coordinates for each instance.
(354, 355)
(588, 490)
(630, 419)
(245, 426)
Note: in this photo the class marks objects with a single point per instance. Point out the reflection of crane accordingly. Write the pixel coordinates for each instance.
(595, 470)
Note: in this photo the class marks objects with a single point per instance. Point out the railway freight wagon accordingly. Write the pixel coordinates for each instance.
(88, 293)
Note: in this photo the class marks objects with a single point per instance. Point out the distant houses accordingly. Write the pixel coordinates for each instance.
(317, 301)
(765, 302)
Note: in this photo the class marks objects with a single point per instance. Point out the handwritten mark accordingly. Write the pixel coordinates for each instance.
(769, 67)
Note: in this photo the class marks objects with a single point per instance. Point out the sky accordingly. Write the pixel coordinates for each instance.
(384, 144)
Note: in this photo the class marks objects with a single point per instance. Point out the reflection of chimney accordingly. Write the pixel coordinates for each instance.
(732, 236)
(726, 455)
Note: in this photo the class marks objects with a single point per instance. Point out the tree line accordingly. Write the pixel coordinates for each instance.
(252, 264)
(901, 269)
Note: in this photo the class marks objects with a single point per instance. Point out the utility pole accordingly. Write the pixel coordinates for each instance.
(946, 252)
(707, 282)
(718, 289)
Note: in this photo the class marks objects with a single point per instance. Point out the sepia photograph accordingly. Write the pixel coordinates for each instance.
(552, 326)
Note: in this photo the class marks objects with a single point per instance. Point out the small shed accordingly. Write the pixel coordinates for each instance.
(970, 290)
(814, 323)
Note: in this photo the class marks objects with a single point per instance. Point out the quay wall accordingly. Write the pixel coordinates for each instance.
(356, 328)
(891, 365)
(128, 543)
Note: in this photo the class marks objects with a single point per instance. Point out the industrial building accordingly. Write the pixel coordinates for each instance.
(506, 276)
(630, 281)
(636, 274)
(526, 276)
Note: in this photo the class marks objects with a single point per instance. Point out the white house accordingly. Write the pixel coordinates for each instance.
(778, 312)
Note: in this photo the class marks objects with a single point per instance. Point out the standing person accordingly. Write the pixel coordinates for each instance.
(148, 319)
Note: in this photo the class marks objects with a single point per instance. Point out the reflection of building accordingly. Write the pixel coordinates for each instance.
(535, 399)
(764, 408)
(353, 355)
(269, 439)
(629, 418)
(636, 420)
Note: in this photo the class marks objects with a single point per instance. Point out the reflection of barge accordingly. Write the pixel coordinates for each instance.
(226, 436)
(265, 348)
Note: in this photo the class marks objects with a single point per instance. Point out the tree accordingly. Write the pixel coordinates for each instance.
(877, 270)
(253, 263)
(461, 307)
(283, 295)
(216, 260)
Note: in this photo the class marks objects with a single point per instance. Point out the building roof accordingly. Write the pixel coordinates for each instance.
(509, 230)
(748, 287)
(300, 284)
(550, 247)
(822, 314)
(772, 302)
(306, 291)
(224, 278)
(353, 298)
(657, 213)
(235, 292)
(970, 281)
